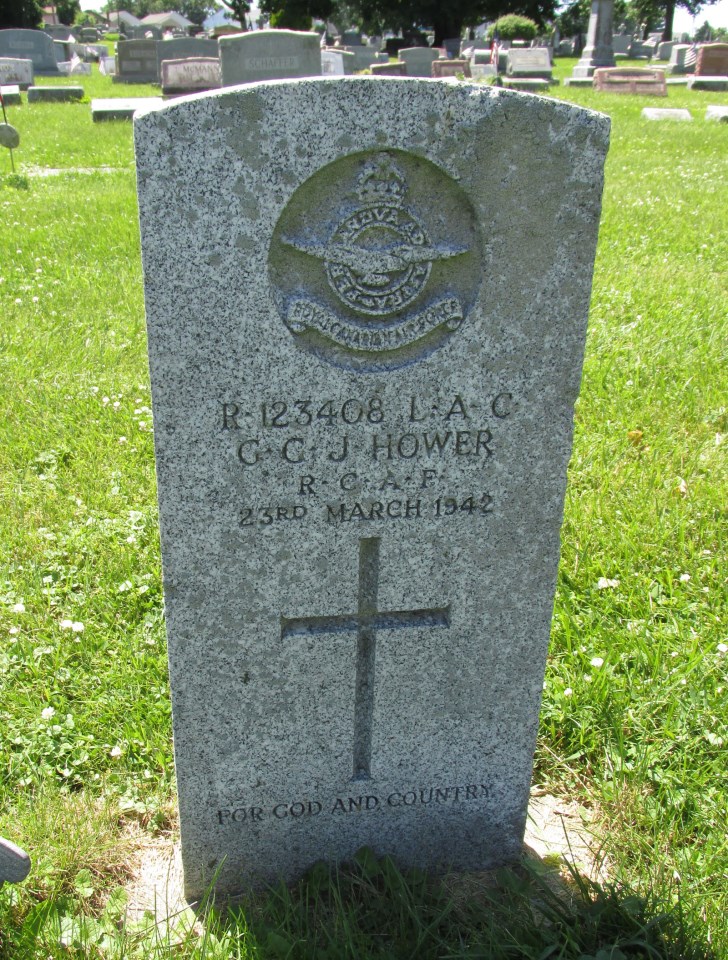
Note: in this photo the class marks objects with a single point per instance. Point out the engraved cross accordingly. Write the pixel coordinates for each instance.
(365, 623)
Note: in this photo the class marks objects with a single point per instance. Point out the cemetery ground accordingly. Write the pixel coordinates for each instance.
(634, 722)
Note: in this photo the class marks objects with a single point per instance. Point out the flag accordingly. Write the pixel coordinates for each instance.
(75, 63)
(691, 57)
(494, 50)
(102, 66)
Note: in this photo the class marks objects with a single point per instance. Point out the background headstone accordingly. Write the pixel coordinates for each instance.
(395, 68)
(184, 48)
(191, 75)
(418, 60)
(32, 45)
(121, 108)
(55, 94)
(450, 68)
(11, 94)
(712, 60)
(719, 113)
(332, 63)
(598, 51)
(678, 56)
(136, 61)
(16, 71)
(363, 418)
(657, 113)
(533, 62)
(642, 80)
(269, 55)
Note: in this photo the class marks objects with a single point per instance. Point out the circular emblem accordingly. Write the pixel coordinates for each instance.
(375, 278)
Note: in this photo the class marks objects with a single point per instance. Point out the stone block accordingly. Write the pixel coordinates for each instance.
(54, 94)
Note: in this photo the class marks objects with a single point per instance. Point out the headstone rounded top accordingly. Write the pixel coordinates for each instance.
(9, 136)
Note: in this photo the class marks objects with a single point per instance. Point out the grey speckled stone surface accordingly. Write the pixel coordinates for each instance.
(366, 302)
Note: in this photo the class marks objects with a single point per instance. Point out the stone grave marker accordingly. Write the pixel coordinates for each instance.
(186, 48)
(121, 108)
(418, 60)
(716, 84)
(136, 61)
(363, 417)
(16, 71)
(192, 75)
(395, 68)
(14, 863)
(621, 43)
(719, 113)
(269, 55)
(712, 60)
(33, 45)
(482, 71)
(450, 68)
(677, 65)
(657, 113)
(332, 63)
(364, 57)
(11, 94)
(54, 94)
(664, 49)
(631, 80)
(533, 62)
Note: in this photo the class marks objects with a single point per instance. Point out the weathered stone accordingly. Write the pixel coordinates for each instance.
(533, 62)
(394, 68)
(679, 59)
(11, 95)
(121, 108)
(269, 55)
(16, 71)
(717, 113)
(657, 113)
(526, 84)
(14, 863)
(332, 63)
(640, 80)
(54, 94)
(33, 45)
(598, 51)
(716, 84)
(712, 60)
(193, 75)
(664, 49)
(137, 61)
(450, 68)
(186, 48)
(482, 71)
(363, 417)
(418, 60)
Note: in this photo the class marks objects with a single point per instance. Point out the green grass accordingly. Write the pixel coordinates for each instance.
(635, 718)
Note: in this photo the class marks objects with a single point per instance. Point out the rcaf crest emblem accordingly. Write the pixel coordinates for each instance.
(377, 258)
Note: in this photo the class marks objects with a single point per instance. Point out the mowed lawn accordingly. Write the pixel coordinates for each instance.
(635, 712)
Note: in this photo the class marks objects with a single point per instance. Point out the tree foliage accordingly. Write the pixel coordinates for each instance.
(446, 19)
(514, 27)
(239, 10)
(22, 14)
(296, 14)
(67, 11)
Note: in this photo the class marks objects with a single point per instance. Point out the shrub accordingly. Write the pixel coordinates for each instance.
(514, 27)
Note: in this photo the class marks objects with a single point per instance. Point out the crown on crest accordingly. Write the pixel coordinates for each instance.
(382, 181)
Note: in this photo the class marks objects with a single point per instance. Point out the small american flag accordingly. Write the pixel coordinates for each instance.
(494, 50)
(75, 63)
(691, 57)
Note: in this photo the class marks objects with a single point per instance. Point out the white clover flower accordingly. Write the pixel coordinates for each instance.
(568, 692)
(66, 624)
(47, 713)
(605, 584)
(19, 608)
(684, 577)
(116, 751)
(722, 648)
(597, 662)
(77, 626)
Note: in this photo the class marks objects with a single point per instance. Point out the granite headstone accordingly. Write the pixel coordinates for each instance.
(16, 71)
(532, 62)
(186, 48)
(191, 75)
(33, 45)
(418, 60)
(363, 417)
(712, 60)
(136, 61)
(269, 55)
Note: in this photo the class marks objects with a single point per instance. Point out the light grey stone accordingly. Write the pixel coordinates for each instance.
(715, 84)
(70, 69)
(533, 62)
(121, 108)
(16, 71)
(717, 113)
(14, 863)
(482, 71)
(137, 61)
(269, 55)
(332, 63)
(365, 57)
(363, 418)
(678, 58)
(526, 84)
(54, 94)
(598, 51)
(186, 48)
(11, 94)
(419, 60)
(192, 75)
(657, 113)
(33, 45)
(621, 43)
(664, 49)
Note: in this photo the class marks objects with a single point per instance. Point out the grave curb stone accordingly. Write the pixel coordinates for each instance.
(283, 758)
(719, 113)
(658, 113)
(526, 84)
(11, 94)
(716, 84)
(55, 94)
(121, 108)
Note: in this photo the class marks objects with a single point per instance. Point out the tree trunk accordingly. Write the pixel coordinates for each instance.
(669, 16)
(446, 26)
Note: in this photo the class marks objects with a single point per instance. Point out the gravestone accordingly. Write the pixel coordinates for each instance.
(717, 84)
(14, 863)
(55, 94)
(678, 60)
(621, 43)
(718, 113)
(192, 75)
(136, 61)
(16, 71)
(362, 419)
(534, 62)
(364, 57)
(11, 94)
(186, 48)
(482, 71)
(395, 68)
(418, 60)
(32, 45)
(269, 55)
(121, 108)
(332, 63)
(657, 113)
(641, 80)
(712, 60)
(450, 68)
(664, 49)
(598, 50)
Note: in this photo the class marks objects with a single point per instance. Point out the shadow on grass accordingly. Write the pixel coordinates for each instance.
(370, 909)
